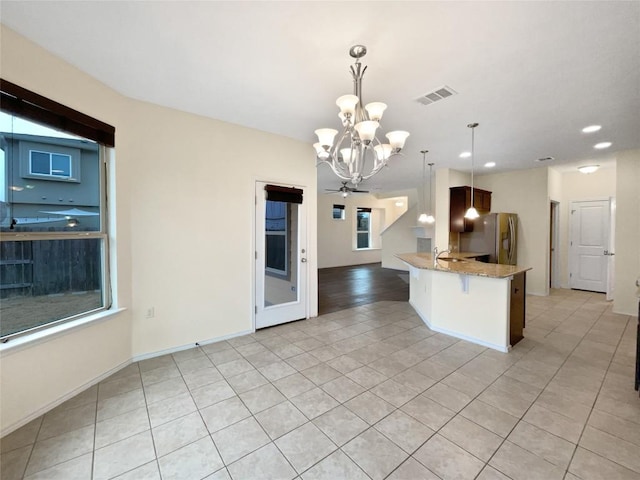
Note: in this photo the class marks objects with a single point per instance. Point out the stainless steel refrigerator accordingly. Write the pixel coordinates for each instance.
(495, 234)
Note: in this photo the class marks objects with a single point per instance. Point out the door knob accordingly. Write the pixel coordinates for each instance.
(303, 260)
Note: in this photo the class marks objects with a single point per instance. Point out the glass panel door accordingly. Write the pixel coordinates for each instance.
(280, 260)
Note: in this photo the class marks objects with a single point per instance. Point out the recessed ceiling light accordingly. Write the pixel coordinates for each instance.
(602, 145)
(591, 129)
(490, 164)
(465, 154)
(588, 168)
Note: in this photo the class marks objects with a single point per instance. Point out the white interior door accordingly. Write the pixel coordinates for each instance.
(589, 245)
(281, 263)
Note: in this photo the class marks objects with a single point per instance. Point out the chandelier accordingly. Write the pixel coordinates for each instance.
(358, 154)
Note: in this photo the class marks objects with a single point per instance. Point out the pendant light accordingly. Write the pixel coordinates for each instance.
(472, 213)
(430, 217)
(426, 217)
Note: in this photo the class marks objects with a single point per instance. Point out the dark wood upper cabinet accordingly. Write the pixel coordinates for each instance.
(460, 201)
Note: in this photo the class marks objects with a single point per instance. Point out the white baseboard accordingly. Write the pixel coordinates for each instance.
(146, 356)
(98, 379)
(51, 405)
(499, 348)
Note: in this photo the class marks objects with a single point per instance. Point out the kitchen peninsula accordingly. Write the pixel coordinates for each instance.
(483, 303)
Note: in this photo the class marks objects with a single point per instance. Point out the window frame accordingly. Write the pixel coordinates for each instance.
(341, 209)
(277, 233)
(360, 210)
(102, 235)
(50, 175)
(33, 107)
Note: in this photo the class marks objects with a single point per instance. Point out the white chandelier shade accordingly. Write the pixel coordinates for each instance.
(358, 154)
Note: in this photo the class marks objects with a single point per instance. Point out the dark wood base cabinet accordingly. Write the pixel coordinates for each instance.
(518, 310)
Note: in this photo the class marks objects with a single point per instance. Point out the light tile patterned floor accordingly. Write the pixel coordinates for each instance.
(363, 393)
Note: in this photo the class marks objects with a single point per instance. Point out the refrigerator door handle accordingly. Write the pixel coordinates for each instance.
(511, 240)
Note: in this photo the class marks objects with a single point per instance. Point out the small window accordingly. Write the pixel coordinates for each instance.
(276, 231)
(50, 164)
(338, 212)
(363, 228)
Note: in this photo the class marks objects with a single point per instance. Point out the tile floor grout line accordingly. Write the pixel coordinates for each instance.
(33, 447)
(435, 432)
(95, 433)
(596, 401)
(538, 396)
(371, 340)
(209, 434)
(153, 440)
(252, 415)
(369, 427)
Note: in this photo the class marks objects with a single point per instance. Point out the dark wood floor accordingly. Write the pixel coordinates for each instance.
(345, 287)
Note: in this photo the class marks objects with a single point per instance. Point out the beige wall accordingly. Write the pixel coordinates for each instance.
(335, 237)
(627, 243)
(525, 192)
(183, 233)
(193, 222)
(576, 186)
(35, 378)
(402, 237)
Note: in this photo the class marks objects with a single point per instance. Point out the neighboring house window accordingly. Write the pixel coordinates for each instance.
(54, 248)
(276, 231)
(338, 212)
(363, 228)
(50, 164)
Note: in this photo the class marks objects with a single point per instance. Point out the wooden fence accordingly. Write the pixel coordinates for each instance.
(48, 267)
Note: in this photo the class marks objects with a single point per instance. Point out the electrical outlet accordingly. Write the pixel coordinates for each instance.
(151, 312)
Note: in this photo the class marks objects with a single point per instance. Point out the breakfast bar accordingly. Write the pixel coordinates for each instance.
(483, 303)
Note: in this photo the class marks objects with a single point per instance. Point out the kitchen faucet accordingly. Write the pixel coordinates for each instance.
(436, 255)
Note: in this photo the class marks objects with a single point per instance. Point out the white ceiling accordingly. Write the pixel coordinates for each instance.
(533, 74)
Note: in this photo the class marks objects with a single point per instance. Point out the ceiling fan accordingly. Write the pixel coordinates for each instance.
(344, 190)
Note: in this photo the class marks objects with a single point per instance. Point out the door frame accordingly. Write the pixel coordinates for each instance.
(611, 263)
(306, 299)
(554, 244)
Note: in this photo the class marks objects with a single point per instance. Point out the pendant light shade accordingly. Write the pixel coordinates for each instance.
(426, 216)
(472, 213)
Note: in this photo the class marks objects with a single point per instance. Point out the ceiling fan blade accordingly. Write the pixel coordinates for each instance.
(331, 190)
(359, 191)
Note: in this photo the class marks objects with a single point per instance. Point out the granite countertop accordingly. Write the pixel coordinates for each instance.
(465, 265)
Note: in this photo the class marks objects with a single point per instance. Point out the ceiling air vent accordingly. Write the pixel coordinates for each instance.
(545, 159)
(438, 94)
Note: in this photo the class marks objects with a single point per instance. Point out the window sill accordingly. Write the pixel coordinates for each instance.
(48, 334)
(366, 249)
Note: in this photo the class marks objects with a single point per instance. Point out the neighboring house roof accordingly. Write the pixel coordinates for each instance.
(63, 142)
